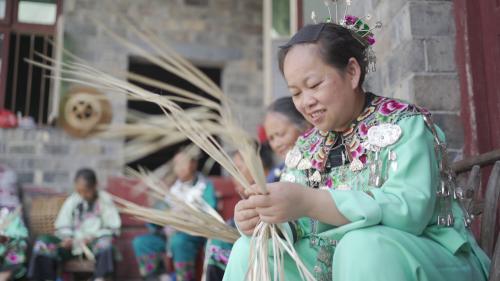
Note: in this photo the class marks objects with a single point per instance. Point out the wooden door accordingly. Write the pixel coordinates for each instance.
(490, 23)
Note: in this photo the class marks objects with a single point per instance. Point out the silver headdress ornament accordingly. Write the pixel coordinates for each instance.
(361, 31)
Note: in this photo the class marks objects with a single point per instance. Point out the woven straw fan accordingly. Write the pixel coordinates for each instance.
(197, 132)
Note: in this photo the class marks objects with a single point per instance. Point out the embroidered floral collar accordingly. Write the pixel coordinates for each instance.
(314, 144)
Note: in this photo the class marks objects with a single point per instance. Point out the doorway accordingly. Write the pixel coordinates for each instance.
(145, 68)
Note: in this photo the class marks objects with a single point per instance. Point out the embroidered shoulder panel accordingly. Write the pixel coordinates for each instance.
(315, 143)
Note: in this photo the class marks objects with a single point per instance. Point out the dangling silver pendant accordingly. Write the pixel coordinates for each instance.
(293, 158)
(344, 187)
(450, 220)
(394, 166)
(356, 165)
(304, 164)
(316, 177)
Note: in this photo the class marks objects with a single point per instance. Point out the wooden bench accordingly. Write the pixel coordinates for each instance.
(487, 206)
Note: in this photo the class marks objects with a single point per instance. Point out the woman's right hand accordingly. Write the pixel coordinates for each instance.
(67, 243)
(246, 217)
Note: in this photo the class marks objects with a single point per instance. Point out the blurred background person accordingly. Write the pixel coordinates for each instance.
(218, 251)
(88, 217)
(13, 238)
(283, 125)
(182, 247)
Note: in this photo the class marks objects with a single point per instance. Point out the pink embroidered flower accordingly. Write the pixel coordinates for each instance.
(356, 149)
(329, 182)
(13, 258)
(149, 267)
(351, 19)
(363, 159)
(52, 248)
(391, 106)
(189, 275)
(363, 130)
(180, 264)
(224, 258)
(371, 40)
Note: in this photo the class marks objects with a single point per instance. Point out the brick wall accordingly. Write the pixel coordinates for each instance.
(416, 59)
(50, 157)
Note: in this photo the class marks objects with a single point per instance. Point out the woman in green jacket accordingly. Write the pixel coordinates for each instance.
(88, 218)
(367, 194)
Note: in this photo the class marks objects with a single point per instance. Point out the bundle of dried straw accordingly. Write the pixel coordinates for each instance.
(13, 215)
(199, 125)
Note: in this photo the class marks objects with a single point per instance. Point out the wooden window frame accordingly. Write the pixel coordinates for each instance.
(5, 63)
(8, 14)
(10, 24)
(295, 25)
(30, 27)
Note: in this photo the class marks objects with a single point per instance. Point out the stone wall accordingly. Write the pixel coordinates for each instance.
(50, 158)
(416, 59)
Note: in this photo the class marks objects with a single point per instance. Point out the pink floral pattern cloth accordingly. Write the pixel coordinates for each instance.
(314, 143)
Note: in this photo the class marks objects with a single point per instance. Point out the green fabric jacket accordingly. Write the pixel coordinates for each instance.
(103, 220)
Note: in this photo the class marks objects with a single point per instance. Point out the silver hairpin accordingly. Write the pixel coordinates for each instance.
(363, 35)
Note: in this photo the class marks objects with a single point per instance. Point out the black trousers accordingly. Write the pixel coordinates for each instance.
(45, 268)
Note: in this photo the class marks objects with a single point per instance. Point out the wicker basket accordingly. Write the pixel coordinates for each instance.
(43, 214)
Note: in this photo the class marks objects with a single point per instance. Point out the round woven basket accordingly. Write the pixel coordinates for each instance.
(82, 110)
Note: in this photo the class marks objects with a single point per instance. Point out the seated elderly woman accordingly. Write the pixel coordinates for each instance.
(87, 219)
(182, 247)
(13, 237)
(368, 193)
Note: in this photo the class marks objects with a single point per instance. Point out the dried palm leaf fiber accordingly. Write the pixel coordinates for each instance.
(164, 173)
(150, 133)
(198, 132)
(198, 218)
(13, 215)
(87, 252)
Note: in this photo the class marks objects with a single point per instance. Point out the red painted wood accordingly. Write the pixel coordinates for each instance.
(8, 14)
(478, 59)
(226, 195)
(127, 268)
(470, 61)
(300, 16)
(124, 188)
(34, 28)
(490, 18)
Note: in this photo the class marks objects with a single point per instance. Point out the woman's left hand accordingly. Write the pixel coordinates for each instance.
(286, 201)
